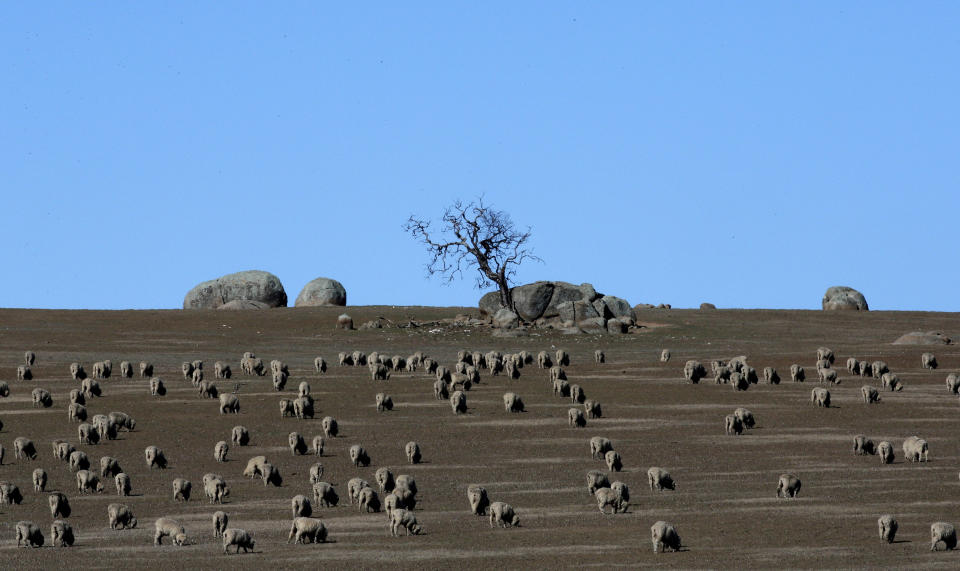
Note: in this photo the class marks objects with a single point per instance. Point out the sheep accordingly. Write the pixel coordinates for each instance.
(596, 479)
(460, 382)
(797, 374)
(664, 536)
(733, 425)
(721, 374)
(829, 376)
(358, 358)
(78, 460)
(109, 467)
(4, 389)
(440, 390)
(479, 502)
(659, 479)
(458, 402)
(102, 369)
(297, 444)
(122, 483)
(885, 450)
(155, 457)
(24, 373)
(330, 427)
(303, 407)
(146, 369)
(207, 390)
(406, 482)
(39, 480)
(325, 495)
(788, 486)
(316, 472)
(575, 418)
(891, 382)
(29, 357)
(613, 460)
(479, 360)
(384, 402)
(279, 380)
(863, 446)
(300, 506)
(404, 519)
(953, 383)
(59, 505)
(343, 359)
(557, 373)
(853, 365)
(915, 449)
(221, 370)
(599, 446)
(739, 382)
(737, 364)
(385, 481)
(29, 534)
(167, 527)
(156, 387)
(888, 526)
(105, 428)
(220, 521)
(368, 501)
(23, 448)
(286, 408)
(90, 388)
(391, 503)
(123, 420)
(126, 369)
(429, 366)
(592, 408)
(303, 389)
(824, 353)
(238, 537)
(746, 417)
(513, 403)
(412, 364)
(928, 361)
(609, 497)
(870, 395)
(88, 434)
(354, 485)
(240, 435)
(187, 369)
(41, 398)
(503, 515)
(76, 412)
(750, 374)
(87, 481)
(320, 365)
(121, 516)
(878, 368)
(599, 357)
(543, 360)
(820, 397)
(229, 403)
(307, 530)
(358, 456)
(215, 488)
(76, 372)
(10, 494)
(220, 451)
(413, 452)
(693, 371)
(444, 374)
(181, 490)
(770, 376)
(942, 532)
(495, 366)
(864, 368)
(271, 475)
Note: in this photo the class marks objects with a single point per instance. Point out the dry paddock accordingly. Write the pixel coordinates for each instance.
(725, 507)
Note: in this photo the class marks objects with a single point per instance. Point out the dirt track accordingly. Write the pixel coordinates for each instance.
(725, 507)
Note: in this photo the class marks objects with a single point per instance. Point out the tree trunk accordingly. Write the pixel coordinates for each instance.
(506, 298)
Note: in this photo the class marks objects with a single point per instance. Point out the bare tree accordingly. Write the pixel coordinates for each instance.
(474, 235)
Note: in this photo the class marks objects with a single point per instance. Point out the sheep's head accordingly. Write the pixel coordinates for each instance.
(133, 522)
(180, 539)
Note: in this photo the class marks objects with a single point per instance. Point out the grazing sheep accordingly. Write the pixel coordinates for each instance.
(41, 398)
(156, 387)
(460, 382)
(90, 388)
(750, 374)
(220, 451)
(563, 358)
(825, 354)
(343, 359)
(575, 418)
(146, 369)
(320, 365)
(853, 365)
(330, 428)
(561, 388)
(502, 515)
(358, 456)
(543, 360)
(878, 368)
(29, 357)
(406, 482)
(122, 482)
(155, 457)
(109, 467)
(737, 364)
(59, 505)
(915, 449)
(317, 445)
(458, 402)
(61, 449)
(76, 396)
(609, 497)
(413, 452)
(120, 516)
(181, 490)
(770, 376)
(557, 373)
(88, 434)
(286, 408)
(4, 389)
(746, 417)
(942, 532)
(613, 460)
(512, 370)
(167, 527)
(885, 450)
(659, 479)
(126, 369)
(928, 361)
(576, 394)
(325, 495)
(664, 536)
(404, 519)
(297, 444)
(316, 472)
(78, 461)
(430, 366)
(229, 404)
(220, 522)
(592, 408)
(385, 481)
(105, 428)
(495, 366)
(513, 403)
(39, 480)
(359, 358)
(479, 502)
(207, 390)
(863, 446)
(239, 538)
(891, 382)
(303, 389)
(123, 420)
(888, 527)
(870, 395)
(29, 534)
(87, 481)
(23, 448)
(300, 506)
(693, 371)
(307, 530)
(599, 357)
(599, 446)
(279, 380)
(271, 475)
(187, 369)
(10, 494)
(788, 486)
(733, 425)
(215, 488)
(739, 382)
(303, 407)
(354, 485)
(368, 501)
(76, 372)
(722, 374)
(24, 373)
(384, 402)
(622, 490)
(820, 397)
(240, 435)
(440, 390)
(391, 502)
(596, 479)
(221, 370)
(797, 374)
(953, 383)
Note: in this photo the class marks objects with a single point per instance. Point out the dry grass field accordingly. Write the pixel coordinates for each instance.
(725, 507)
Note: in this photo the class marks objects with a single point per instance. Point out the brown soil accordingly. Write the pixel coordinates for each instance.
(725, 507)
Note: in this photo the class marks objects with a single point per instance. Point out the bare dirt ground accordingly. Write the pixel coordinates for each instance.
(725, 507)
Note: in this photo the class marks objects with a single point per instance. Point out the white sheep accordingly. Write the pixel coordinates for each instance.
(944, 533)
(330, 428)
(59, 505)
(788, 486)
(358, 456)
(300, 506)
(239, 538)
(404, 519)
(23, 447)
(316, 472)
(613, 460)
(29, 534)
(155, 457)
(513, 403)
(916, 449)
(479, 502)
(167, 527)
(122, 483)
(502, 515)
(181, 489)
(885, 451)
(240, 435)
(220, 522)
(368, 500)
(664, 536)
(39, 480)
(296, 443)
(87, 481)
(220, 451)
(887, 526)
(215, 488)
(659, 479)
(229, 404)
(575, 418)
(307, 530)
(413, 452)
(325, 495)
(354, 485)
(120, 516)
(608, 497)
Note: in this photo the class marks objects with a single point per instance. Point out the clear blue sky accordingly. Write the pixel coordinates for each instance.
(750, 154)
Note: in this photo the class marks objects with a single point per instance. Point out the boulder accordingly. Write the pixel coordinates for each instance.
(843, 297)
(593, 325)
(490, 303)
(617, 306)
(322, 291)
(575, 311)
(531, 300)
(564, 292)
(539, 299)
(924, 338)
(244, 304)
(252, 285)
(616, 326)
(505, 319)
(642, 306)
(707, 307)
